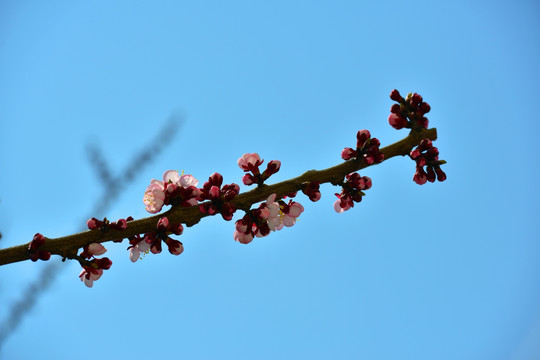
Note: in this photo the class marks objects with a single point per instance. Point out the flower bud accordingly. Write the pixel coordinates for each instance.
(395, 95)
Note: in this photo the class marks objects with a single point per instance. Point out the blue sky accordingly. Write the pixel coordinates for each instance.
(441, 271)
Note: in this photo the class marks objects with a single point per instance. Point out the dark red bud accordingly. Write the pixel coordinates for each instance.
(104, 263)
(94, 223)
(424, 108)
(362, 136)
(216, 179)
(416, 99)
(395, 95)
(396, 121)
(430, 174)
(441, 176)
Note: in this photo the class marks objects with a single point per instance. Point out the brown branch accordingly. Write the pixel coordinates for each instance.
(67, 246)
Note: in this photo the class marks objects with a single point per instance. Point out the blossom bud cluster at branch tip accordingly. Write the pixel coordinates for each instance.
(251, 162)
(408, 113)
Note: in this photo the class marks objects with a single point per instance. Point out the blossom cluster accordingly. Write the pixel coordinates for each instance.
(351, 191)
(105, 225)
(425, 154)
(175, 189)
(367, 148)
(409, 112)
(35, 252)
(271, 215)
(92, 270)
(219, 197)
(250, 162)
(151, 241)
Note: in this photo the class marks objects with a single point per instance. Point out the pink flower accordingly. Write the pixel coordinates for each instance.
(89, 275)
(250, 162)
(339, 209)
(154, 197)
(274, 219)
(136, 250)
(187, 180)
(242, 238)
(294, 210)
(174, 189)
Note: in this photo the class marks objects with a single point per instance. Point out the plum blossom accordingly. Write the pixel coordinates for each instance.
(294, 210)
(346, 201)
(351, 191)
(89, 275)
(174, 188)
(154, 197)
(270, 216)
(93, 270)
(274, 219)
(250, 162)
(136, 250)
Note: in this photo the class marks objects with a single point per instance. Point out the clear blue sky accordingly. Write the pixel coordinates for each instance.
(441, 271)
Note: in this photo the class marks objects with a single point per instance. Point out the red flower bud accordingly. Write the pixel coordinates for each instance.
(395, 95)
(396, 121)
(395, 109)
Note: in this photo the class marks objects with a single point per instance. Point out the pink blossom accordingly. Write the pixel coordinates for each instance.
(243, 238)
(88, 276)
(159, 193)
(250, 162)
(295, 209)
(339, 209)
(274, 219)
(187, 180)
(171, 177)
(154, 197)
(136, 250)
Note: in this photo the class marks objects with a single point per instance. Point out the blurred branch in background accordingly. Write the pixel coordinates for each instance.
(112, 187)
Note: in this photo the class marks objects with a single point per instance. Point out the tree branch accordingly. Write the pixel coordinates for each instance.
(67, 246)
